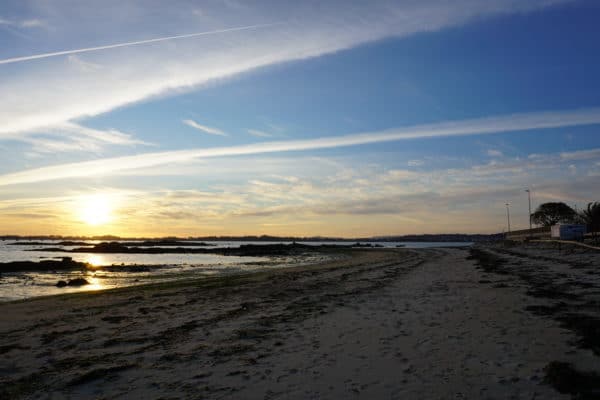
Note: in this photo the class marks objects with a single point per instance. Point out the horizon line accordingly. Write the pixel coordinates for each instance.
(234, 237)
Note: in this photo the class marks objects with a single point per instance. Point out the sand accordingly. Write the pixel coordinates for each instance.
(382, 324)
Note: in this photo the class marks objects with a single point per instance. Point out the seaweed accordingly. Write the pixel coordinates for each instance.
(566, 379)
(99, 373)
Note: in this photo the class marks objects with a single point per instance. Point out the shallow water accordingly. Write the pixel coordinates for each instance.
(10, 253)
(165, 267)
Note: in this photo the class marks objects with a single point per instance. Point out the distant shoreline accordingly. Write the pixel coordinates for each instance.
(443, 237)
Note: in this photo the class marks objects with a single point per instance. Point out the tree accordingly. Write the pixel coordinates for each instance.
(591, 216)
(549, 214)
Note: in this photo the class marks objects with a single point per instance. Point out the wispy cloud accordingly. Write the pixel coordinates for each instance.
(378, 201)
(110, 136)
(494, 153)
(204, 128)
(493, 125)
(581, 155)
(26, 23)
(31, 23)
(257, 133)
(69, 137)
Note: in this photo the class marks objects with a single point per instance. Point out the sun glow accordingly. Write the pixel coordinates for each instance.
(96, 210)
(94, 283)
(96, 260)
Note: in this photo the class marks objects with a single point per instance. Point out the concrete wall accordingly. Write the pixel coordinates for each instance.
(536, 233)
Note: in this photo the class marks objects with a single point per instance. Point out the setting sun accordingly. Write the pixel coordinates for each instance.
(95, 260)
(96, 210)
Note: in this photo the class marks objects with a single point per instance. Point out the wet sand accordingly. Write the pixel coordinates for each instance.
(383, 324)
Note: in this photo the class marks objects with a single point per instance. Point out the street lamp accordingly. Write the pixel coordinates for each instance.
(508, 215)
(529, 198)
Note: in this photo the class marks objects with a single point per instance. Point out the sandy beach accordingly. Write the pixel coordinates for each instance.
(381, 324)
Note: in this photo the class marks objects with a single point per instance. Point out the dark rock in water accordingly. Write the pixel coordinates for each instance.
(153, 243)
(44, 265)
(358, 244)
(77, 282)
(243, 250)
(73, 243)
(72, 282)
(110, 247)
(257, 250)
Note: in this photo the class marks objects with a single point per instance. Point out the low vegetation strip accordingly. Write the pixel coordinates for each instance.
(568, 243)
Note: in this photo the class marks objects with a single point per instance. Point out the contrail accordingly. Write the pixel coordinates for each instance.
(113, 46)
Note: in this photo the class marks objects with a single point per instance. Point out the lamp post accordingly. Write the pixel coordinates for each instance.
(529, 198)
(508, 215)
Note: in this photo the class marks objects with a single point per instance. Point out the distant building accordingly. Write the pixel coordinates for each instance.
(569, 231)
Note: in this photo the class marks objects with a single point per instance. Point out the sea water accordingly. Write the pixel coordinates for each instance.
(112, 270)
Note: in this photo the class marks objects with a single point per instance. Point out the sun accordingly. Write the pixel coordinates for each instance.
(95, 261)
(96, 210)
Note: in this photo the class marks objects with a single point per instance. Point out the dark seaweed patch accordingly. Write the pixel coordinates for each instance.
(566, 379)
(99, 373)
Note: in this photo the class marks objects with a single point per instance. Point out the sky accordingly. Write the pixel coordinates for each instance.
(333, 118)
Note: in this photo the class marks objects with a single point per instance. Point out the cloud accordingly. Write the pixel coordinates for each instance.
(415, 163)
(32, 23)
(69, 137)
(386, 194)
(591, 154)
(492, 125)
(26, 23)
(110, 136)
(379, 201)
(495, 153)
(369, 193)
(257, 133)
(204, 128)
(53, 91)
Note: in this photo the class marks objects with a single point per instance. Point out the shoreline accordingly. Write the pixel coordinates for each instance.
(194, 281)
(76, 277)
(392, 323)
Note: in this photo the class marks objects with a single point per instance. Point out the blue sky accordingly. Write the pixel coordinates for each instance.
(154, 130)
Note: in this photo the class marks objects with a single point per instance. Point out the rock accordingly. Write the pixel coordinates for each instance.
(111, 247)
(72, 282)
(77, 282)
(65, 263)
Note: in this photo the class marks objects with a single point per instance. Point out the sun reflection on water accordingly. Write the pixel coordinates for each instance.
(94, 283)
(95, 260)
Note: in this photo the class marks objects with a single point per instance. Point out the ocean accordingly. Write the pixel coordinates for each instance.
(120, 270)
